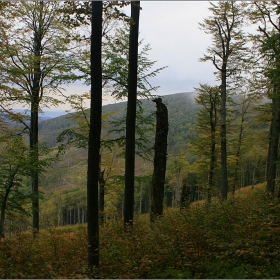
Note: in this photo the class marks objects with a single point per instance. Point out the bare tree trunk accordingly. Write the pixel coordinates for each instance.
(94, 135)
(140, 199)
(253, 179)
(185, 197)
(101, 195)
(131, 115)
(5, 200)
(79, 215)
(273, 145)
(158, 181)
(34, 120)
(238, 151)
(177, 189)
(213, 124)
(224, 177)
(3, 210)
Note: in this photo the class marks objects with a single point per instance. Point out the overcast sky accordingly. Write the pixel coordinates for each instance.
(171, 29)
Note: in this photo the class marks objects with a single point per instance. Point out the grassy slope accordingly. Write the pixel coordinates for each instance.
(235, 239)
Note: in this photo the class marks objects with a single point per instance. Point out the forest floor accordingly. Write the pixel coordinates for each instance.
(239, 238)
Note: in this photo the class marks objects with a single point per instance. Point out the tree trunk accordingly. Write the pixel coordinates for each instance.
(213, 124)
(238, 151)
(185, 197)
(212, 165)
(273, 146)
(224, 177)
(3, 210)
(94, 135)
(158, 180)
(59, 214)
(101, 195)
(131, 115)
(140, 198)
(79, 215)
(34, 171)
(177, 189)
(34, 120)
(5, 199)
(253, 175)
(169, 196)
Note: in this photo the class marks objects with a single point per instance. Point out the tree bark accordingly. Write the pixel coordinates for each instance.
(158, 180)
(213, 124)
(224, 177)
(101, 195)
(238, 151)
(4, 204)
(185, 197)
(3, 211)
(273, 145)
(36, 88)
(94, 135)
(35, 157)
(131, 115)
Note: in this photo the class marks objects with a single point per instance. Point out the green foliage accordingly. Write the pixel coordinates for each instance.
(21, 56)
(145, 124)
(15, 163)
(228, 50)
(115, 69)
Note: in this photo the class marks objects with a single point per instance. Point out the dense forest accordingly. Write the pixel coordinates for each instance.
(96, 193)
(70, 170)
(67, 176)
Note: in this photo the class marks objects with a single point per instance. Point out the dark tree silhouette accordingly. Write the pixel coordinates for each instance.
(131, 114)
(186, 196)
(94, 135)
(158, 181)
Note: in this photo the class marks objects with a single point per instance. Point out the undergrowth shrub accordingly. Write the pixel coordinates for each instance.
(237, 238)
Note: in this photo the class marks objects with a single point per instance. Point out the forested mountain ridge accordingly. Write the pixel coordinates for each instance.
(181, 109)
(70, 170)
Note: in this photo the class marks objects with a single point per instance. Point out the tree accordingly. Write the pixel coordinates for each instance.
(36, 49)
(268, 47)
(160, 147)
(94, 135)
(226, 55)
(15, 165)
(207, 122)
(176, 172)
(131, 115)
(246, 102)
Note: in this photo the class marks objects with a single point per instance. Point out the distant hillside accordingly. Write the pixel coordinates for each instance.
(46, 115)
(182, 113)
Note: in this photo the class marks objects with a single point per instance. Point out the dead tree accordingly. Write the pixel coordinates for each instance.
(158, 181)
